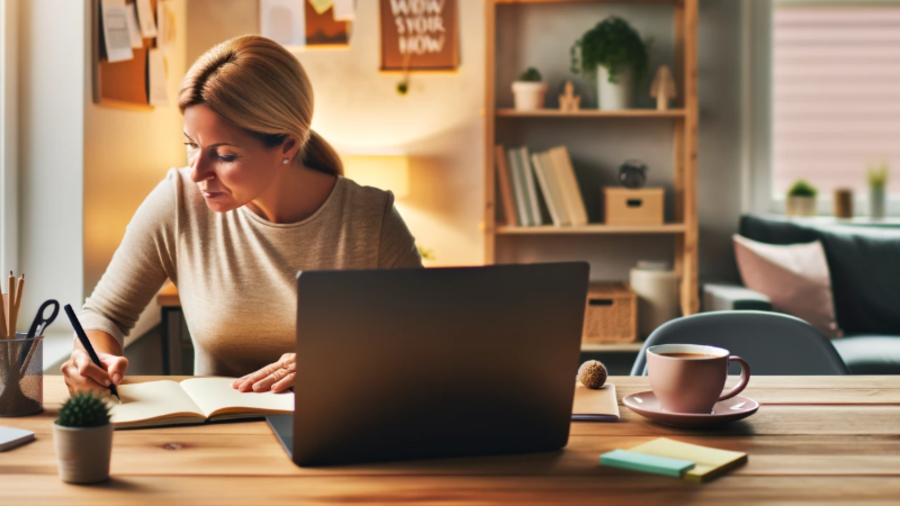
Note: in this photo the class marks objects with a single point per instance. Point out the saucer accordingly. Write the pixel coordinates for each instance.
(736, 408)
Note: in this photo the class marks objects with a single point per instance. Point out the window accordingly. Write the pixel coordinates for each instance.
(835, 94)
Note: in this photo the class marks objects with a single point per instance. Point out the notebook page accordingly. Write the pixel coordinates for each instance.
(152, 400)
(215, 396)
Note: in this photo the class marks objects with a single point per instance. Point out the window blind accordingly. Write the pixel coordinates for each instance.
(836, 95)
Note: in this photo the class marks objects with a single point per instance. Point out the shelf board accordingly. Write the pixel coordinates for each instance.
(610, 347)
(578, 1)
(668, 228)
(592, 113)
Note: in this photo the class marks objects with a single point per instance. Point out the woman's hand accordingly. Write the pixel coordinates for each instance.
(277, 377)
(82, 375)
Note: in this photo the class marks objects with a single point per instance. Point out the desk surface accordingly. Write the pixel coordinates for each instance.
(825, 440)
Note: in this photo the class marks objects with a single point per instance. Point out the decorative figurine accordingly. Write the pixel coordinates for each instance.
(663, 88)
(569, 102)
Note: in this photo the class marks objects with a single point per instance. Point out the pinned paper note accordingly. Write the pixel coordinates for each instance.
(116, 38)
(134, 31)
(283, 21)
(156, 68)
(165, 27)
(344, 10)
(145, 18)
(320, 6)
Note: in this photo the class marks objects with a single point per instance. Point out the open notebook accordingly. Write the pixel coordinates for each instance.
(192, 401)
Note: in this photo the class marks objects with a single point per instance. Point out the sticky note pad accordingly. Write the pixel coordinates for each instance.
(711, 462)
(647, 463)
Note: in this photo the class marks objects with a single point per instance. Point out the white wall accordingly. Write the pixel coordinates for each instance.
(53, 63)
(126, 154)
(9, 133)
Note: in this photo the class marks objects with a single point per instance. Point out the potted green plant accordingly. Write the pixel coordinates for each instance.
(878, 179)
(529, 91)
(801, 199)
(614, 54)
(82, 437)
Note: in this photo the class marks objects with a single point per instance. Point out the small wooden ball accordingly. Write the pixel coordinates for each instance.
(592, 374)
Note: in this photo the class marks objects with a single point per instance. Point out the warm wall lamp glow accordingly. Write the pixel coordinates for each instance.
(385, 171)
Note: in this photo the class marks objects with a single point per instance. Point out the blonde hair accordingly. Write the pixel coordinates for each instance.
(259, 86)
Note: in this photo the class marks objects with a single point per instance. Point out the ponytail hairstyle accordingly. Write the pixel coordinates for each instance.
(258, 85)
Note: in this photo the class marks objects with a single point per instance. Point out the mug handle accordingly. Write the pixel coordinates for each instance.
(745, 378)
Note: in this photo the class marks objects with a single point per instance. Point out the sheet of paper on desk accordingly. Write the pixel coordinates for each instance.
(595, 405)
(156, 68)
(134, 31)
(11, 438)
(145, 18)
(115, 30)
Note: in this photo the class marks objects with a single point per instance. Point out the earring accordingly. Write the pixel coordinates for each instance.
(284, 160)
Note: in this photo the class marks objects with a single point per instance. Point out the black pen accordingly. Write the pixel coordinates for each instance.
(87, 346)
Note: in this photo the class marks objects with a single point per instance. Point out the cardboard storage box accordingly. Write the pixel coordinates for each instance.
(626, 206)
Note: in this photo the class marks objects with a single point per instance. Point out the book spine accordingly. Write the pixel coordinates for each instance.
(506, 191)
(545, 188)
(577, 209)
(519, 188)
(531, 187)
(556, 188)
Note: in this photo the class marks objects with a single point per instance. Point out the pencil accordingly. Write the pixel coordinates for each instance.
(10, 300)
(3, 318)
(20, 285)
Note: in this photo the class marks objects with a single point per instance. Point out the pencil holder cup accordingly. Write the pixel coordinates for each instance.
(21, 376)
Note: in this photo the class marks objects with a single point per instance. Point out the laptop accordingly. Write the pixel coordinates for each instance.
(443, 362)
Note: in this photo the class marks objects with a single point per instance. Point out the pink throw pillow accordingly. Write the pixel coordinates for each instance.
(795, 277)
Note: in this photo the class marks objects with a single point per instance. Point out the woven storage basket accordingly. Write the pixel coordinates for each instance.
(611, 314)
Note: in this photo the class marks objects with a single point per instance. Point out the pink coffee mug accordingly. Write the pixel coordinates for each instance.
(689, 378)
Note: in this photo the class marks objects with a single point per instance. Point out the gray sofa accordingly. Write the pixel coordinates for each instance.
(865, 276)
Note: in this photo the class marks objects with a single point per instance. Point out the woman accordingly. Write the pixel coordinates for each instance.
(262, 198)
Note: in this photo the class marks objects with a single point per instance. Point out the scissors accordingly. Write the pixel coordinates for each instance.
(38, 326)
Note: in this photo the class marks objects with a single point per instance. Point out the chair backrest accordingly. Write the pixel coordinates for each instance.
(772, 343)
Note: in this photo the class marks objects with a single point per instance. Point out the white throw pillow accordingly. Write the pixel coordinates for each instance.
(795, 277)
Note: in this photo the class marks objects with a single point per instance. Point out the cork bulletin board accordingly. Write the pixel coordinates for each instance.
(121, 84)
(419, 35)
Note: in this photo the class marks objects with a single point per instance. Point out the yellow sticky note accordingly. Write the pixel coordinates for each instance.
(710, 462)
(321, 5)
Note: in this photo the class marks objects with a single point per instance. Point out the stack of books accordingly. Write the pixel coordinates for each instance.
(523, 177)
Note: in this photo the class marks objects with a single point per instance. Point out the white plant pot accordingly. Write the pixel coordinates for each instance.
(529, 96)
(614, 96)
(83, 453)
(801, 206)
(876, 202)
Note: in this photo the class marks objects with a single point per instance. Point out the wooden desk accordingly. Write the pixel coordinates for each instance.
(826, 440)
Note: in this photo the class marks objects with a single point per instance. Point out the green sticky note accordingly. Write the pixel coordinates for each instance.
(646, 463)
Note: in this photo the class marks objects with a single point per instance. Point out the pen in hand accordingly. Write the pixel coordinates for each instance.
(86, 343)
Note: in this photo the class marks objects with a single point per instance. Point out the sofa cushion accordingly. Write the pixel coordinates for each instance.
(794, 277)
(870, 354)
(863, 265)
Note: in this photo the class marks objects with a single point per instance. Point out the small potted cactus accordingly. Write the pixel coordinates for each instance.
(83, 439)
(801, 199)
(529, 91)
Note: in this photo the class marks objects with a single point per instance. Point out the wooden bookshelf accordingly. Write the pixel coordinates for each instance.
(683, 116)
(668, 228)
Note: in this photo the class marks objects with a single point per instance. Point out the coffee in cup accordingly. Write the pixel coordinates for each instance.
(689, 378)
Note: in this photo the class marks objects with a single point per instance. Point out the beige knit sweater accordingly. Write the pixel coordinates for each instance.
(236, 272)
